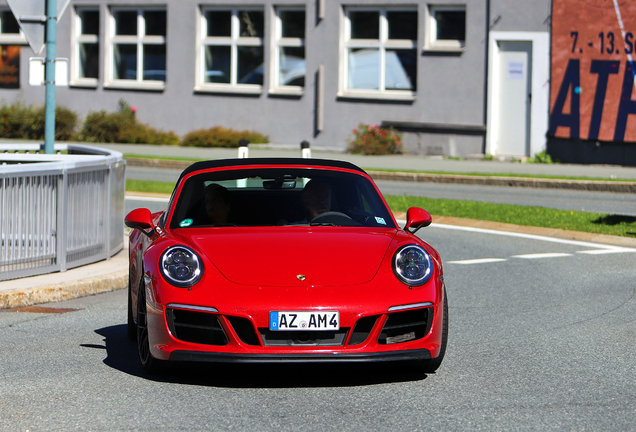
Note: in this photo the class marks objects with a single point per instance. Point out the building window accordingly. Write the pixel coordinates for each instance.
(381, 51)
(231, 48)
(289, 52)
(446, 27)
(10, 32)
(138, 46)
(86, 50)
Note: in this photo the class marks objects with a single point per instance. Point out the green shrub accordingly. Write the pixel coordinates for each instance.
(374, 140)
(542, 157)
(101, 126)
(139, 133)
(28, 122)
(65, 123)
(221, 137)
(122, 126)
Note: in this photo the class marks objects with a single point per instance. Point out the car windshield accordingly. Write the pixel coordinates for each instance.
(279, 197)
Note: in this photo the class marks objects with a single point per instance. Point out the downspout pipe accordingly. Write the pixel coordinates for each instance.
(487, 55)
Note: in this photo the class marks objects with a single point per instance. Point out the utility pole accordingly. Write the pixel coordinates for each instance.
(49, 71)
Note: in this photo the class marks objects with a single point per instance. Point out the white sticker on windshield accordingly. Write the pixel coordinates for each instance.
(380, 220)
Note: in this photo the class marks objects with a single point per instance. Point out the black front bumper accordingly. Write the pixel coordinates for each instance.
(199, 356)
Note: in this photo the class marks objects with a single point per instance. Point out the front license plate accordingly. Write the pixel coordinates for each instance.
(318, 320)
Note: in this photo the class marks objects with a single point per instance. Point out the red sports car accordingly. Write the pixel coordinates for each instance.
(283, 260)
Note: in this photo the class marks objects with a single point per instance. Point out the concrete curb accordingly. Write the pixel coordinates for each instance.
(118, 279)
(585, 185)
(64, 291)
(113, 274)
(539, 231)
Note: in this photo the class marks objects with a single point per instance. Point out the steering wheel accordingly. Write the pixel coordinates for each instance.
(329, 214)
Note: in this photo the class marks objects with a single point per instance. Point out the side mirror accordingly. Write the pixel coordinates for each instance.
(417, 218)
(140, 219)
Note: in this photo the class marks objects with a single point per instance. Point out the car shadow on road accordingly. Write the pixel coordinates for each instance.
(121, 354)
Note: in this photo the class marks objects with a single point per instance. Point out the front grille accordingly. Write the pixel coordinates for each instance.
(362, 330)
(244, 330)
(196, 327)
(303, 338)
(406, 326)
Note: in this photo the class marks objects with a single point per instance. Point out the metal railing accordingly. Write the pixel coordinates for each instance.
(59, 211)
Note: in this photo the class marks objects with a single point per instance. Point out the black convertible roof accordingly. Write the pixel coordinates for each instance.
(218, 163)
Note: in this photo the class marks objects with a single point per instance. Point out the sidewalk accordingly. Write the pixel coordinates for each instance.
(112, 274)
(396, 162)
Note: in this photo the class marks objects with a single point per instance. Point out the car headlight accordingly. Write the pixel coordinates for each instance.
(412, 265)
(181, 266)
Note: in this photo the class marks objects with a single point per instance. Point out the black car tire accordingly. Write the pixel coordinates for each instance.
(430, 366)
(131, 329)
(433, 364)
(150, 364)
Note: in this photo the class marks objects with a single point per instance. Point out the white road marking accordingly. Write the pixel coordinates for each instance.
(542, 255)
(478, 261)
(528, 236)
(606, 251)
(599, 248)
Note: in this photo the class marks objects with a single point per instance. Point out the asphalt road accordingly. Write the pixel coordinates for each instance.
(563, 199)
(542, 336)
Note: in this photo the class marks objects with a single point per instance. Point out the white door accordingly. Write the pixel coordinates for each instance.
(514, 98)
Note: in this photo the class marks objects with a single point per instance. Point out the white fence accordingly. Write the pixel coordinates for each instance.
(59, 211)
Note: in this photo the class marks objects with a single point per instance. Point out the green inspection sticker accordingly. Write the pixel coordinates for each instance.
(185, 223)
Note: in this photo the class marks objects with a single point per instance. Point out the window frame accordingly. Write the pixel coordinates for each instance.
(431, 43)
(234, 41)
(383, 43)
(77, 40)
(12, 38)
(279, 42)
(139, 40)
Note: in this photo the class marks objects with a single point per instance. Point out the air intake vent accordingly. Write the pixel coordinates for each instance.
(362, 329)
(244, 330)
(196, 327)
(303, 338)
(406, 326)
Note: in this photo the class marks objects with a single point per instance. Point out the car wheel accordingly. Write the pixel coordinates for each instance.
(432, 365)
(150, 364)
(131, 329)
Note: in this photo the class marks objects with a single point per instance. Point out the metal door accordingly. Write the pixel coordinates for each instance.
(514, 98)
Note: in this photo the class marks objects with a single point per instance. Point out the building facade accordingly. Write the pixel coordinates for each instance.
(457, 77)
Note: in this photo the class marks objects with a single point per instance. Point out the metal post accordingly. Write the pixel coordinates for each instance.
(305, 150)
(244, 148)
(49, 102)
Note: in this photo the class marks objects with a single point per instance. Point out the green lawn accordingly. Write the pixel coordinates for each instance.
(598, 223)
(149, 186)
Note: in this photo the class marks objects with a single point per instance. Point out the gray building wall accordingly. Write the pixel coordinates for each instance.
(520, 15)
(446, 117)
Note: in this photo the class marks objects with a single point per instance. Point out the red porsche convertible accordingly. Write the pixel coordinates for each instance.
(283, 260)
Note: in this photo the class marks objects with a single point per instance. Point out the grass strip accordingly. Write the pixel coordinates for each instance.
(515, 175)
(148, 186)
(475, 174)
(136, 156)
(597, 223)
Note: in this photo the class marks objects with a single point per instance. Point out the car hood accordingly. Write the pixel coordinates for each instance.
(324, 256)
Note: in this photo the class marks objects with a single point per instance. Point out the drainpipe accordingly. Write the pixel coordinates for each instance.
(487, 55)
